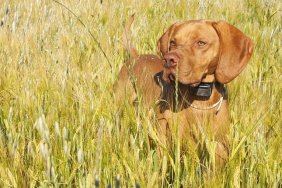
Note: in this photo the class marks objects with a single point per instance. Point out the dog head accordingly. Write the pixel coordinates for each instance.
(196, 50)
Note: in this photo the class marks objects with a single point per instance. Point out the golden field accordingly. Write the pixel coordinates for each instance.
(59, 124)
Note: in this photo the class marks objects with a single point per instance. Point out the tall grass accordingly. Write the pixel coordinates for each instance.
(59, 125)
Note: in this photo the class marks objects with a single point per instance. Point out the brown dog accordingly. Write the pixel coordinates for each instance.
(197, 58)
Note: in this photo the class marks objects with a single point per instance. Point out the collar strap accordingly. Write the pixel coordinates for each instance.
(202, 90)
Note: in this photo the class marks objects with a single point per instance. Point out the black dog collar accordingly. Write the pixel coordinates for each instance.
(202, 90)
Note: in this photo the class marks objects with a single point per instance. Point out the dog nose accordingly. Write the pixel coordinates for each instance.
(170, 60)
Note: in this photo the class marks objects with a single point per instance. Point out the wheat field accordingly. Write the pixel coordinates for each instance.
(59, 123)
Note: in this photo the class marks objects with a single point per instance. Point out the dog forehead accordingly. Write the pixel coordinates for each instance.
(194, 29)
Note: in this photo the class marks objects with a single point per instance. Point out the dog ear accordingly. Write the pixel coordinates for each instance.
(163, 42)
(235, 52)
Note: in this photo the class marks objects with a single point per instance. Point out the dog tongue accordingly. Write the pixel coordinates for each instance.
(195, 84)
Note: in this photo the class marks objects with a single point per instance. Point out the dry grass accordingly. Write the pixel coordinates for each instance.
(58, 120)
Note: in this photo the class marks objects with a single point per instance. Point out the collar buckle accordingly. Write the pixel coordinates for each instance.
(202, 90)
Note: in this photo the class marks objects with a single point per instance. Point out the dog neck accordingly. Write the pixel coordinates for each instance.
(177, 96)
(206, 96)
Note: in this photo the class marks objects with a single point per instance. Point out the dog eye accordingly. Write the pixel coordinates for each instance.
(201, 43)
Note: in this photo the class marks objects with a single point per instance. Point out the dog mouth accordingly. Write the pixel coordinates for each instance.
(169, 76)
(172, 78)
(195, 84)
